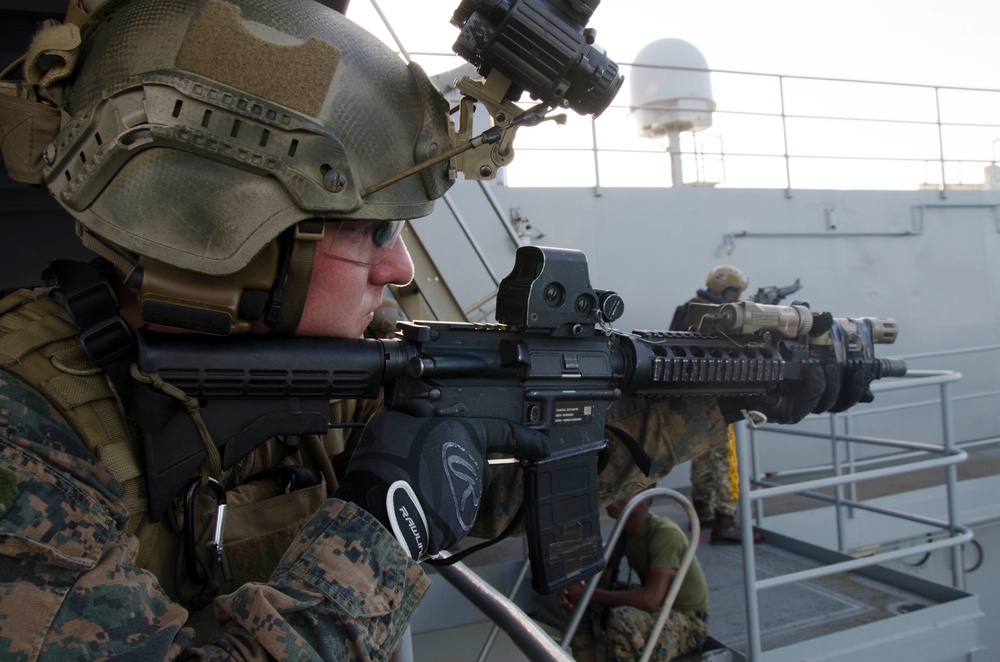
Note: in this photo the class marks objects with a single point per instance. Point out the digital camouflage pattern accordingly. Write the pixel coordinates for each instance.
(623, 630)
(623, 634)
(671, 431)
(627, 627)
(52, 491)
(711, 471)
(70, 587)
(711, 481)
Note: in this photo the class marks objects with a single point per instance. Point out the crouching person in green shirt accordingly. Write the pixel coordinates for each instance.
(653, 547)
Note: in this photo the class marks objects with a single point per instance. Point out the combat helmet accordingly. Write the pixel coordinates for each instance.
(727, 282)
(207, 140)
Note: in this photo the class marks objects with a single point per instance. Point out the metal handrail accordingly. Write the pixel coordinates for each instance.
(527, 635)
(495, 628)
(783, 152)
(936, 118)
(949, 457)
(524, 632)
(675, 585)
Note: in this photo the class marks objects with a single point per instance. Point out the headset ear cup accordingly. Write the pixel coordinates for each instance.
(253, 304)
(278, 290)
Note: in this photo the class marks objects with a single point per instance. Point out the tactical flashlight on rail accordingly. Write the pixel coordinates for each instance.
(747, 318)
(849, 340)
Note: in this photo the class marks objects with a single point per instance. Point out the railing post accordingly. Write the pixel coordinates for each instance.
(838, 491)
(937, 105)
(784, 136)
(951, 473)
(749, 561)
(852, 487)
(745, 431)
(495, 629)
(597, 162)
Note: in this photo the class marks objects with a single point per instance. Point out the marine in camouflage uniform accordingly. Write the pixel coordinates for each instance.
(251, 109)
(87, 572)
(621, 632)
(714, 473)
(627, 629)
(711, 484)
(257, 171)
(65, 553)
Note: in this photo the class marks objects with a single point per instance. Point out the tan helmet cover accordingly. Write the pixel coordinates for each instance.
(202, 129)
(724, 277)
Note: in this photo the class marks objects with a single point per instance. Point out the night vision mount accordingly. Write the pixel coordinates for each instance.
(542, 47)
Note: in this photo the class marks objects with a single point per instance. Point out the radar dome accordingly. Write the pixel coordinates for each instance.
(673, 91)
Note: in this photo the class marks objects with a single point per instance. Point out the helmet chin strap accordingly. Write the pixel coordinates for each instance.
(291, 284)
(122, 260)
(294, 275)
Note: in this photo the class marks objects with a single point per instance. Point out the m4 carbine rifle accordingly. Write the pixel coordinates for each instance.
(552, 363)
(773, 294)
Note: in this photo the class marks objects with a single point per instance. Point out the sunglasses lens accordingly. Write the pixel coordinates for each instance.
(364, 242)
(385, 234)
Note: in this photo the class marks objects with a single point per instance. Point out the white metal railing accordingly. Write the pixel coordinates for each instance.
(777, 131)
(946, 455)
(941, 136)
(931, 142)
(754, 488)
(531, 639)
(675, 585)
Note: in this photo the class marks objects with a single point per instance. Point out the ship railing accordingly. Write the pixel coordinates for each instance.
(537, 644)
(793, 132)
(675, 585)
(528, 635)
(947, 455)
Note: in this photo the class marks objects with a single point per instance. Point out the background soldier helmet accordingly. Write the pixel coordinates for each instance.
(727, 281)
(201, 132)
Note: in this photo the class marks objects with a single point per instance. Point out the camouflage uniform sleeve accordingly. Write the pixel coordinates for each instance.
(69, 587)
(671, 431)
(345, 590)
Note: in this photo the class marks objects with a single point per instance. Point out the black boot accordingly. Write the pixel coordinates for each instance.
(706, 514)
(725, 531)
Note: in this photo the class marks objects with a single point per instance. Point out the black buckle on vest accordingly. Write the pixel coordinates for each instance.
(108, 341)
(91, 303)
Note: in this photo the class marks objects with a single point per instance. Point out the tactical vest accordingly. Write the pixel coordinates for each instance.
(39, 344)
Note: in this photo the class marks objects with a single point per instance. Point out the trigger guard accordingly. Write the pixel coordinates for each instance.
(603, 457)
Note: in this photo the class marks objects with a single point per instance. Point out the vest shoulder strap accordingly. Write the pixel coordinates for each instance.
(39, 344)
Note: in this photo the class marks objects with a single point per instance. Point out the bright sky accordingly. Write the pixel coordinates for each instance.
(927, 42)
(917, 41)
